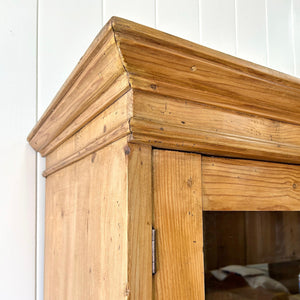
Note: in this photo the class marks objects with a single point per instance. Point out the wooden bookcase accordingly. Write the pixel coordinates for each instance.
(150, 130)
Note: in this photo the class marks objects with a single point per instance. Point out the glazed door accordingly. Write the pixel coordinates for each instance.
(244, 207)
(251, 224)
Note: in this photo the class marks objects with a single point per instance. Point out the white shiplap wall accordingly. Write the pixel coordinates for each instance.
(41, 42)
(17, 159)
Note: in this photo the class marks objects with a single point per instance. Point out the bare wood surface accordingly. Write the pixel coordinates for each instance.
(97, 144)
(99, 68)
(84, 61)
(211, 143)
(272, 236)
(237, 185)
(168, 65)
(128, 55)
(178, 220)
(106, 127)
(138, 84)
(255, 236)
(223, 232)
(86, 228)
(139, 222)
(184, 125)
(117, 89)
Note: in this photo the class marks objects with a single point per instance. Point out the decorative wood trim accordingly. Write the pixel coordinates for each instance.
(239, 185)
(97, 144)
(169, 136)
(191, 80)
(118, 88)
(113, 117)
(84, 91)
(167, 65)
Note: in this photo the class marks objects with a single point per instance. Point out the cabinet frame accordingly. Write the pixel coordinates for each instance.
(138, 100)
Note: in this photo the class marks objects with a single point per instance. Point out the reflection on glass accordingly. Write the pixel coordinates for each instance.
(252, 255)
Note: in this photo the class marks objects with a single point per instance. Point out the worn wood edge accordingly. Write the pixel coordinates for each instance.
(171, 43)
(95, 79)
(177, 207)
(236, 198)
(162, 39)
(155, 85)
(191, 115)
(84, 61)
(135, 35)
(99, 143)
(110, 83)
(134, 50)
(114, 116)
(208, 142)
(106, 99)
(139, 222)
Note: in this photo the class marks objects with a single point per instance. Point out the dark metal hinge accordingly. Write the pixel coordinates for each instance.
(153, 251)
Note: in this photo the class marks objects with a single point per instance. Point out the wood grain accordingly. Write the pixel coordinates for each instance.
(224, 231)
(237, 185)
(200, 141)
(178, 220)
(168, 65)
(139, 222)
(99, 143)
(117, 89)
(272, 236)
(127, 55)
(86, 228)
(100, 67)
(137, 84)
(188, 126)
(108, 126)
(255, 236)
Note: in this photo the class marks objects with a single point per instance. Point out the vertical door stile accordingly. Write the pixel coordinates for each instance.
(177, 207)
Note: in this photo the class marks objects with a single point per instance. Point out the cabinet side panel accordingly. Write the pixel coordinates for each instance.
(86, 227)
(139, 223)
(178, 220)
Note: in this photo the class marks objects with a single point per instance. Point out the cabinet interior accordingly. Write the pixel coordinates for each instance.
(263, 240)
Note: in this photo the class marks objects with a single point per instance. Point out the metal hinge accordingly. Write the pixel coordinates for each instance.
(153, 251)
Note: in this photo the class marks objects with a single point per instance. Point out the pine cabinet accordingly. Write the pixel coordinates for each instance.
(148, 133)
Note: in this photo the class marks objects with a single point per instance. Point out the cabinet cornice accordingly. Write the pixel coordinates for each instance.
(263, 104)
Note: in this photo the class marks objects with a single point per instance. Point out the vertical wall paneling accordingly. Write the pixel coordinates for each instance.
(65, 30)
(296, 19)
(280, 35)
(135, 10)
(218, 29)
(251, 30)
(180, 18)
(40, 228)
(17, 159)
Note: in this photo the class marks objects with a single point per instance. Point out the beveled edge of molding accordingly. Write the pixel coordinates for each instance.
(89, 114)
(276, 96)
(99, 143)
(126, 27)
(61, 134)
(210, 142)
(83, 62)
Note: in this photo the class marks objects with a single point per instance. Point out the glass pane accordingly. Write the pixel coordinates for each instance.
(252, 255)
